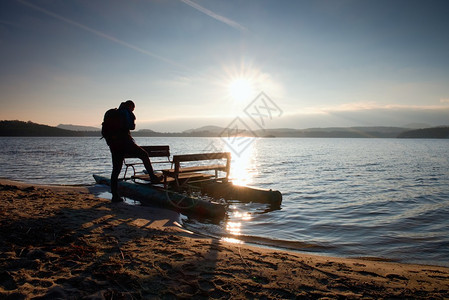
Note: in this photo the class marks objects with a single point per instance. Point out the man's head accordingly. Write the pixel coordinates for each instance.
(130, 104)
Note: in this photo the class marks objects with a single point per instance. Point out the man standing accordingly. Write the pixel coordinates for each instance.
(116, 129)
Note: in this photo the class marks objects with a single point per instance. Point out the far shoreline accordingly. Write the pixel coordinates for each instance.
(29, 129)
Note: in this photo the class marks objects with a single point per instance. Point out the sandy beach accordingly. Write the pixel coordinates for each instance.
(62, 242)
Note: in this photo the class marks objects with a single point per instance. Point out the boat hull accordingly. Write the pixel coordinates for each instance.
(228, 190)
(152, 195)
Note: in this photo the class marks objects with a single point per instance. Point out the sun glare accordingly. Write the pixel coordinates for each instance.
(241, 89)
(242, 169)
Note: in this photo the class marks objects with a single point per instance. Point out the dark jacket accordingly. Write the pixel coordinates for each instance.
(128, 117)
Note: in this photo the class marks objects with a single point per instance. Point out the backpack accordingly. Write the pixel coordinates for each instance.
(112, 124)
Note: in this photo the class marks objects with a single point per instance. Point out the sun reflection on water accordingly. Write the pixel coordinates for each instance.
(243, 164)
(231, 240)
(243, 171)
(234, 226)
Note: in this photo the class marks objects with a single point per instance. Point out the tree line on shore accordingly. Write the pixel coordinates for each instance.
(20, 128)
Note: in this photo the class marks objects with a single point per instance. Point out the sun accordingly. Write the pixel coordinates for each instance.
(241, 89)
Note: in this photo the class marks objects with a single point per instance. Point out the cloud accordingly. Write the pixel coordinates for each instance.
(218, 17)
(395, 116)
(370, 106)
(345, 115)
(365, 114)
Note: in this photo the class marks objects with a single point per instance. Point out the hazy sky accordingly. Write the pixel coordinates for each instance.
(188, 63)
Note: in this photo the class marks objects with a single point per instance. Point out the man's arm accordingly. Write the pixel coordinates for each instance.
(132, 120)
(128, 118)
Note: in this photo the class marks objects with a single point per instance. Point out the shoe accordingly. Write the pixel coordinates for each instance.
(116, 199)
(156, 179)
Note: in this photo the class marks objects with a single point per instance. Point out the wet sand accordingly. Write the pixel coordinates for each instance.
(66, 243)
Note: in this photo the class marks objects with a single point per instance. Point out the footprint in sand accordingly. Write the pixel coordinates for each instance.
(396, 277)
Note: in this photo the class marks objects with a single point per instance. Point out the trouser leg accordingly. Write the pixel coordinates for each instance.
(147, 163)
(140, 153)
(117, 162)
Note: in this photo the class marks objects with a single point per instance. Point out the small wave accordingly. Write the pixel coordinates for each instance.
(369, 164)
(215, 231)
(284, 244)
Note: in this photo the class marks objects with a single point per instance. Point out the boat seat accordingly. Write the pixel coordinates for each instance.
(160, 152)
(182, 177)
(197, 169)
(179, 172)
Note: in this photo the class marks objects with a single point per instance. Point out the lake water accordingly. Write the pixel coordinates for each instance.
(381, 198)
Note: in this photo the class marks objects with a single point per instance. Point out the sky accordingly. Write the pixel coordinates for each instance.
(190, 63)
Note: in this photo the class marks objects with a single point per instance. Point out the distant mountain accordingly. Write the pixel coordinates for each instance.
(20, 128)
(330, 132)
(384, 129)
(77, 127)
(327, 132)
(210, 128)
(417, 125)
(145, 133)
(355, 132)
(441, 132)
(335, 132)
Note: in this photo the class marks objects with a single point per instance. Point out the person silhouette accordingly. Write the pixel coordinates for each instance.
(120, 142)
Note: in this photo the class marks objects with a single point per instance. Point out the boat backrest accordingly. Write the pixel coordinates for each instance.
(177, 159)
(159, 151)
(201, 156)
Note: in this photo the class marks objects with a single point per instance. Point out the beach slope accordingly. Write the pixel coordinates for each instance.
(66, 243)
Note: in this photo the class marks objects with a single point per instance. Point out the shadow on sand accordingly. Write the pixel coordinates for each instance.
(83, 246)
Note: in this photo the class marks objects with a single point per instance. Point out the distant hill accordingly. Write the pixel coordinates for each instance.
(417, 125)
(353, 132)
(441, 132)
(77, 127)
(20, 128)
(329, 132)
(146, 133)
(216, 130)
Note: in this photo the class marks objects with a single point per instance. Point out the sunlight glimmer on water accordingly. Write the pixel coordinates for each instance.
(235, 227)
(246, 216)
(231, 240)
(243, 161)
(242, 172)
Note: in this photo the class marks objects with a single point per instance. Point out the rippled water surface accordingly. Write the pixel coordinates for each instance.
(386, 198)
